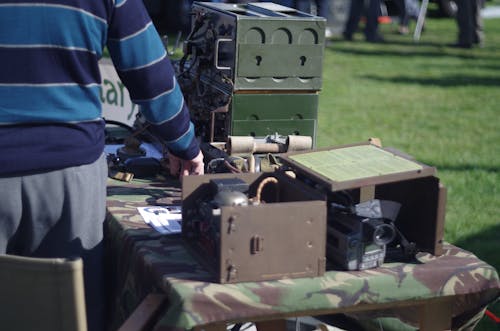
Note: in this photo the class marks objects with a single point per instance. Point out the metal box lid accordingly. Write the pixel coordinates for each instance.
(356, 165)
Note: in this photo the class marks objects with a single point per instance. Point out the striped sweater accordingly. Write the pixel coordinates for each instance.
(50, 109)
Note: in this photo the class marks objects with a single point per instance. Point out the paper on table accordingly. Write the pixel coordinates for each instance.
(163, 219)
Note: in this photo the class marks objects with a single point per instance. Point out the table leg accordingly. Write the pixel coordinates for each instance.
(145, 314)
(436, 316)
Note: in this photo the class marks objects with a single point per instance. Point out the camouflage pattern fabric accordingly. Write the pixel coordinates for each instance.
(144, 261)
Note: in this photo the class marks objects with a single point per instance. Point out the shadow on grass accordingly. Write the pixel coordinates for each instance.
(488, 66)
(464, 167)
(483, 244)
(476, 66)
(388, 42)
(441, 50)
(448, 81)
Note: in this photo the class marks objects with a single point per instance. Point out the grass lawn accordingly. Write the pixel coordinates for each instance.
(437, 103)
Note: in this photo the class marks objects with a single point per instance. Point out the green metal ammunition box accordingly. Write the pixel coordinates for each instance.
(261, 46)
(252, 69)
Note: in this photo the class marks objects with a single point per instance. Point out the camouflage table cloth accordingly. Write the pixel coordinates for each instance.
(144, 261)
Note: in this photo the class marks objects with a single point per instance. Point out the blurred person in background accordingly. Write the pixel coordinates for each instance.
(372, 14)
(470, 24)
(408, 10)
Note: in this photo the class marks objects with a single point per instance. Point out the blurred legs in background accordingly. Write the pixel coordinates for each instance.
(408, 9)
(470, 24)
(371, 28)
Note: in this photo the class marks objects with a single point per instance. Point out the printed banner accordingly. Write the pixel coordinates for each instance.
(116, 103)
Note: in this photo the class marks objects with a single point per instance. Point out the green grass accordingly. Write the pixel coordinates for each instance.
(437, 103)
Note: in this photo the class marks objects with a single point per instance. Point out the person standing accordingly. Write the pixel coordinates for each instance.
(371, 28)
(53, 171)
(470, 23)
(408, 9)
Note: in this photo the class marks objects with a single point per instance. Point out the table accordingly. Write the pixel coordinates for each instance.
(442, 289)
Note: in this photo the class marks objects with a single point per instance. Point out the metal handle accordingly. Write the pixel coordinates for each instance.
(216, 59)
(257, 244)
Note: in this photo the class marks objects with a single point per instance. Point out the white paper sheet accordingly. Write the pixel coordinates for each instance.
(164, 219)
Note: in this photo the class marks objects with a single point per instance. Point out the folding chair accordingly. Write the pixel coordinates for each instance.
(41, 294)
(47, 294)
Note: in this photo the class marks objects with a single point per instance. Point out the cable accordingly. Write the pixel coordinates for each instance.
(261, 187)
(492, 316)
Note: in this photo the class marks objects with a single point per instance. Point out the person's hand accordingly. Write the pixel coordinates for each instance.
(180, 167)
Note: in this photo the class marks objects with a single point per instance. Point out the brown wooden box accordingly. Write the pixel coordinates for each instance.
(411, 183)
(272, 240)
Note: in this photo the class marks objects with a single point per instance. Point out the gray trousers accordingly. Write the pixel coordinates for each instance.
(60, 214)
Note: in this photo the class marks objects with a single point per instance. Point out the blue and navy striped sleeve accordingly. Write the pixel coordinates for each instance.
(49, 52)
(145, 69)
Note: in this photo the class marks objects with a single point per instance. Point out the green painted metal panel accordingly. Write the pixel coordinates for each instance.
(264, 114)
(270, 61)
(274, 106)
(264, 128)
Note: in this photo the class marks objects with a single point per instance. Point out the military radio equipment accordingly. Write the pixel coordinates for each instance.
(252, 69)
(358, 237)
(354, 176)
(249, 154)
(254, 226)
